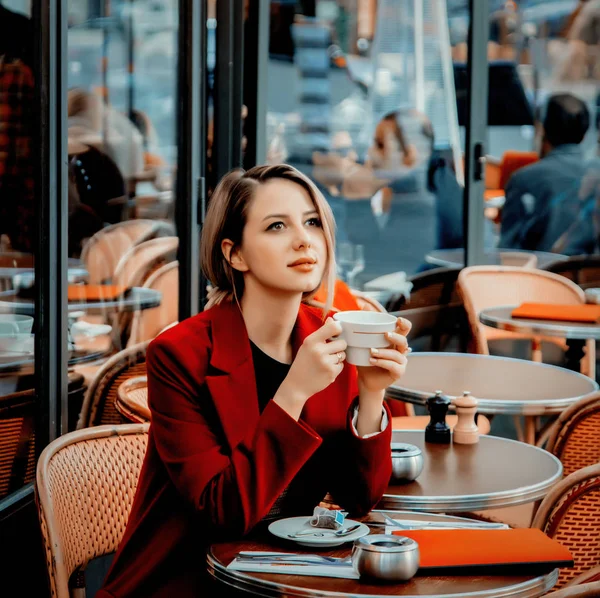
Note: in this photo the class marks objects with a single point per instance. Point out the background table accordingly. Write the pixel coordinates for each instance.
(502, 385)
(136, 298)
(495, 472)
(455, 258)
(574, 332)
(265, 584)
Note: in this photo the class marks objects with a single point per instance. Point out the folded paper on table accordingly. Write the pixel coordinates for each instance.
(316, 570)
(95, 292)
(567, 313)
(486, 548)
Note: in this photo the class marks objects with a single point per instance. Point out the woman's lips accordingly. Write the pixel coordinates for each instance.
(304, 266)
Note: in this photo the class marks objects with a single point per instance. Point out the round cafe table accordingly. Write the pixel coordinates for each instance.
(455, 258)
(434, 586)
(574, 332)
(493, 473)
(502, 385)
(136, 298)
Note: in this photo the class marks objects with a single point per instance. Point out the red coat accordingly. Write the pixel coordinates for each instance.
(215, 465)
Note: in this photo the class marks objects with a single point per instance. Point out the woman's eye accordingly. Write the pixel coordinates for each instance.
(314, 222)
(275, 226)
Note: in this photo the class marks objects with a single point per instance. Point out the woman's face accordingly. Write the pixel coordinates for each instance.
(283, 244)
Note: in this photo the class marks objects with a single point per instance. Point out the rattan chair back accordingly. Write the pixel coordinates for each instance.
(99, 401)
(575, 435)
(570, 513)
(102, 251)
(132, 399)
(17, 441)
(148, 323)
(136, 265)
(85, 485)
(492, 286)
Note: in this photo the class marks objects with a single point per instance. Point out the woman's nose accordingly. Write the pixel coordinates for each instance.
(302, 240)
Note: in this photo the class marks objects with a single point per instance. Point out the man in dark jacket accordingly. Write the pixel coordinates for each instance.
(542, 198)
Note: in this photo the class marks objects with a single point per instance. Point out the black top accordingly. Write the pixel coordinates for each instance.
(269, 374)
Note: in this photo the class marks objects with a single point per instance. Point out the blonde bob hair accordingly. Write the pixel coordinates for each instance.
(226, 218)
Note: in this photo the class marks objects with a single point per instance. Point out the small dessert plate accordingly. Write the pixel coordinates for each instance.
(283, 528)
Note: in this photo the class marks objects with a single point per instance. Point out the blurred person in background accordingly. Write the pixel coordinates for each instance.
(17, 193)
(537, 194)
(93, 122)
(579, 60)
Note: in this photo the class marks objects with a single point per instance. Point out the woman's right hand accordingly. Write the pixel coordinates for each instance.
(317, 364)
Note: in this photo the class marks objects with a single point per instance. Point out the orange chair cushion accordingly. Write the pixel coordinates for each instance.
(512, 161)
(589, 314)
(476, 547)
(343, 299)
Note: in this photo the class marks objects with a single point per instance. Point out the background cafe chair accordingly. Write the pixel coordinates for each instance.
(102, 251)
(435, 309)
(586, 585)
(573, 438)
(78, 522)
(99, 402)
(490, 286)
(132, 399)
(17, 441)
(135, 268)
(570, 513)
(148, 323)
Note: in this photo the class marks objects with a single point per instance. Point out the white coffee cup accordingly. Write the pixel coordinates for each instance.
(14, 324)
(363, 331)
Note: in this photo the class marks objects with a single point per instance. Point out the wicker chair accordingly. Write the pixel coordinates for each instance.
(85, 484)
(17, 441)
(99, 402)
(569, 513)
(136, 265)
(574, 436)
(102, 252)
(435, 310)
(132, 400)
(490, 286)
(148, 323)
(583, 270)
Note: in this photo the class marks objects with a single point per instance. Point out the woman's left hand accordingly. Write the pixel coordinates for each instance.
(388, 364)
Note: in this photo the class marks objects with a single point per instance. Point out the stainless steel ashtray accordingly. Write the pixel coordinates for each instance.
(385, 557)
(407, 462)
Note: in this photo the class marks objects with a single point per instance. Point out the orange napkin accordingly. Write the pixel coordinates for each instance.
(589, 314)
(486, 547)
(95, 292)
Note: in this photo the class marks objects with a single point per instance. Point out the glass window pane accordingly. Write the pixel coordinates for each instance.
(543, 126)
(362, 99)
(122, 88)
(18, 246)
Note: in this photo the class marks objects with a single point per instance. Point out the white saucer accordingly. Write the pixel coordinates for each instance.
(283, 527)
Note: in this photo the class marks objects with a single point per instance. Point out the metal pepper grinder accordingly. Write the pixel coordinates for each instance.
(437, 430)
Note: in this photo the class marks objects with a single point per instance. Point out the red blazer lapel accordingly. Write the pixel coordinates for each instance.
(233, 385)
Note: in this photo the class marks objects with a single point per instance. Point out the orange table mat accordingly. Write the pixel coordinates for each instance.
(449, 548)
(95, 292)
(569, 313)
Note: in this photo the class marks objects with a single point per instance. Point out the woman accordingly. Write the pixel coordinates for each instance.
(255, 415)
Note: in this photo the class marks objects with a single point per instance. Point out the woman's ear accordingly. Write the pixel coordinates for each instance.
(233, 255)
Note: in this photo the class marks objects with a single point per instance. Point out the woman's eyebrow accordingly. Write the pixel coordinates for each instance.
(287, 215)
